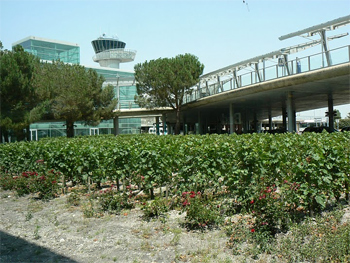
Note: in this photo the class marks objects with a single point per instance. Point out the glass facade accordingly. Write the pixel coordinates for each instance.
(51, 50)
(123, 82)
(102, 44)
(126, 97)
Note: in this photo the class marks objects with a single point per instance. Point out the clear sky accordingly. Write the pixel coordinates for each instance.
(218, 32)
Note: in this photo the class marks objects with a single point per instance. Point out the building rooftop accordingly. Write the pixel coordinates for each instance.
(45, 40)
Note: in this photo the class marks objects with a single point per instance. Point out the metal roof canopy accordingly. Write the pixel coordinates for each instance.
(331, 25)
(246, 63)
(327, 26)
(321, 30)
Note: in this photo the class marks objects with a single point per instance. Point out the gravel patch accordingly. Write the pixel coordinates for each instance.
(52, 231)
(33, 230)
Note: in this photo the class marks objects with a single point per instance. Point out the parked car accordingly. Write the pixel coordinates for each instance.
(319, 129)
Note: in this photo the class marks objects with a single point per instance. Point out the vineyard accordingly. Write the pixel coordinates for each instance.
(279, 179)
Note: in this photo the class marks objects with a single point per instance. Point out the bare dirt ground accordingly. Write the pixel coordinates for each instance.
(32, 230)
(52, 231)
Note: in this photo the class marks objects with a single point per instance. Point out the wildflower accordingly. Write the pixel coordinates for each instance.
(252, 230)
(252, 202)
(262, 197)
(53, 182)
(185, 203)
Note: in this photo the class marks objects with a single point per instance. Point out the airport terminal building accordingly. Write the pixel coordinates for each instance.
(243, 97)
(110, 53)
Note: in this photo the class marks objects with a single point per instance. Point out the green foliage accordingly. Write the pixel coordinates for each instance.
(344, 123)
(114, 202)
(273, 181)
(73, 199)
(320, 239)
(201, 211)
(45, 184)
(18, 95)
(155, 208)
(165, 82)
(74, 93)
(287, 175)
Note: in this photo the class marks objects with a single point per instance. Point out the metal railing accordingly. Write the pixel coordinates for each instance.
(127, 104)
(296, 66)
(118, 53)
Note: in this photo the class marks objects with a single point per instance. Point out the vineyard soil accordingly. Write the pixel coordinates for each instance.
(53, 231)
(38, 231)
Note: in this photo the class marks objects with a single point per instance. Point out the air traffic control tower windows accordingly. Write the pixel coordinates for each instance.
(102, 44)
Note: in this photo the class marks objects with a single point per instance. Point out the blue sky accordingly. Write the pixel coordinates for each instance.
(218, 32)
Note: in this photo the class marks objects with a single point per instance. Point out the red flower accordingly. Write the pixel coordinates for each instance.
(252, 202)
(262, 197)
(252, 230)
(186, 203)
(53, 182)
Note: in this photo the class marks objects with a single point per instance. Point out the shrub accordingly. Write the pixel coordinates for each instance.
(201, 211)
(155, 208)
(113, 201)
(44, 184)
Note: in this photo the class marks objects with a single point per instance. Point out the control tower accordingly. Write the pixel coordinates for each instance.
(110, 52)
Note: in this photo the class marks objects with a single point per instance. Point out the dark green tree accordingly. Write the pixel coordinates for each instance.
(337, 115)
(17, 94)
(164, 82)
(344, 122)
(73, 93)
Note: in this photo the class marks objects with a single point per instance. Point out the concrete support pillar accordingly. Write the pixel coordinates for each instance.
(116, 125)
(330, 112)
(284, 117)
(164, 124)
(231, 119)
(291, 113)
(157, 125)
(200, 124)
(270, 120)
(246, 121)
(256, 126)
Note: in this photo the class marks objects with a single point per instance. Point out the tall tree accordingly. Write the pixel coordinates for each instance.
(166, 81)
(17, 94)
(75, 93)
